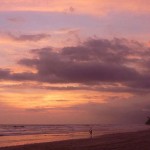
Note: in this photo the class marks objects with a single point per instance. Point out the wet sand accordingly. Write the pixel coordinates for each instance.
(121, 141)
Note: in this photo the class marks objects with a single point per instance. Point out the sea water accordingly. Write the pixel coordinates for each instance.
(11, 135)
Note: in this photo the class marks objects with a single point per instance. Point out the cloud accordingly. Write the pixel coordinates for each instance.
(29, 37)
(4, 73)
(95, 7)
(47, 108)
(23, 76)
(16, 20)
(7, 74)
(68, 31)
(94, 65)
(96, 60)
(37, 37)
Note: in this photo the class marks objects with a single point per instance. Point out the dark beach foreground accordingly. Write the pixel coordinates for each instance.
(121, 141)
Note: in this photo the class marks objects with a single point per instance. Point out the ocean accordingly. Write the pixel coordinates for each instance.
(11, 135)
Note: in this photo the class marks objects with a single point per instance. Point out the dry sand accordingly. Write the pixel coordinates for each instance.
(122, 141)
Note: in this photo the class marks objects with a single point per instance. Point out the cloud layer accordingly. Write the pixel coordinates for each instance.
(95, 7)
(94, 62)
(25, 37)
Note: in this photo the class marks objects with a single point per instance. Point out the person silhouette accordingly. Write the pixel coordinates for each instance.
(91, 133)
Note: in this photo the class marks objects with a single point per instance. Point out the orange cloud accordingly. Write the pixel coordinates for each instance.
(94, 7)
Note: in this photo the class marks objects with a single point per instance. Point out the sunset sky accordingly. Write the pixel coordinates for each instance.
(74, 61)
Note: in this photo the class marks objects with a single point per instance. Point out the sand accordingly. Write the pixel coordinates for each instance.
(122, 141)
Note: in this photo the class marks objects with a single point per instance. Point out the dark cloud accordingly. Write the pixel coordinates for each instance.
(95, 62)
(29, 37)
(98, 88)
(23, 76)
(4, 73)
(69, 10)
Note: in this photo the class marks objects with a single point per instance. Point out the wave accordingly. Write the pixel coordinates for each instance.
(15, 130)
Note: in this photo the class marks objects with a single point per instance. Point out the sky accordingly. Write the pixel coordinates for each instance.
(67, 61)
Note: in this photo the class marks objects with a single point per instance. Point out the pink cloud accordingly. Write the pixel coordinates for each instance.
(95, 7)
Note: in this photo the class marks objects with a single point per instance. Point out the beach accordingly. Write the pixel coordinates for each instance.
(139, 140)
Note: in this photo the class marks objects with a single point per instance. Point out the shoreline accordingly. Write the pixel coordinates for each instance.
(139, 140)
